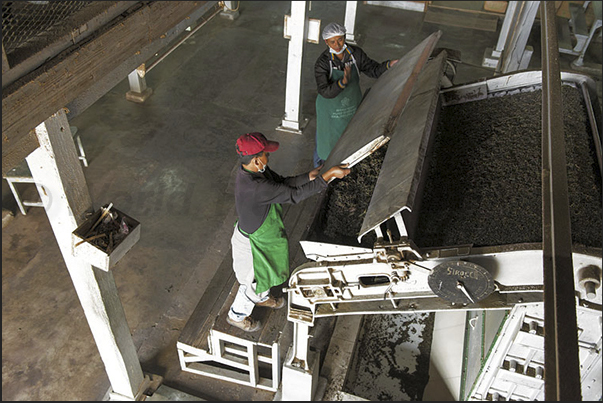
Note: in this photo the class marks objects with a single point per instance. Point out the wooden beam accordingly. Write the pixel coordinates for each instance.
(55, 84)
(72, 31)
(149, 52)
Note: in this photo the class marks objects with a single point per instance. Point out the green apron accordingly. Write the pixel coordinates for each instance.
(334, 114)
(270, 250)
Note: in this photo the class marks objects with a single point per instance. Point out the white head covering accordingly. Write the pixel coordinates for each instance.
(331, 30)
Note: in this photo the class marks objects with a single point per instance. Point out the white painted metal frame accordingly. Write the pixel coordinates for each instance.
(21, 174)
(313, 287)
(234, 352)
(11, 179)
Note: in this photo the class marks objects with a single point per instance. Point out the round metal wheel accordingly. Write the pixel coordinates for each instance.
(461, 282)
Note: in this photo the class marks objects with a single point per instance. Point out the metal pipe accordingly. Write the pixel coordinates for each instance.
(156, 62)
(562, 365)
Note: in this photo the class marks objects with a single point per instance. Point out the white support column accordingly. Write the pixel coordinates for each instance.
(231, 10)
(350, 21)
(138, 85)
(292, 121)
(492, 56)
(517, 55)
(58, 174)
(300, 370)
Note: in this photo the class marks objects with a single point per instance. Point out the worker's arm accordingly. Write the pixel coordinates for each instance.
(338, 171)
(369, 66)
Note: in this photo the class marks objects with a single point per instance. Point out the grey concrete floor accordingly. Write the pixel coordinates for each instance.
(168, 163)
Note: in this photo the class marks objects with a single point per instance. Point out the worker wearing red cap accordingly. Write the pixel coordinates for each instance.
(260, 249)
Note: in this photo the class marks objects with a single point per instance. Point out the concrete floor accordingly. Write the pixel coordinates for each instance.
(168, 163)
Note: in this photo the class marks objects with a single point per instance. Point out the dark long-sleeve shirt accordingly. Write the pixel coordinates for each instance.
(329, 88)
(255, 192)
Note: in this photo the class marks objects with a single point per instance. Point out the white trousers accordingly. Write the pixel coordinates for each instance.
(242, 264)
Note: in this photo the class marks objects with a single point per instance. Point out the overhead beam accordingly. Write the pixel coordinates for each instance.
(41, 93)
(73, 30)
(101, 86)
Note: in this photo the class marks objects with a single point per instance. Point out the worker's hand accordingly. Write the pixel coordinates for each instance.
(347, 73)
(392, 62)
(338, 171)
(314, 173)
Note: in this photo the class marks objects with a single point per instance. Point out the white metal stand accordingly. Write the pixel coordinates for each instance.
(233, 359)
(292, 121)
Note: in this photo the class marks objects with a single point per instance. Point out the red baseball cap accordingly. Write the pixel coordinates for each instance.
(254, 143)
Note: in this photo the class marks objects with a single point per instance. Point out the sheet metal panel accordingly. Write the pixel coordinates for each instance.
(404, 162)
(376, 116)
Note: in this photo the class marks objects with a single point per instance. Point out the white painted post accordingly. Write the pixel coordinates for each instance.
(58, 174)
(231, 10)
(292, 122)
(300, 370)
(504, 31)
(138, 85)
(350, 21)
(300, 345)
(515, 54)
(492, 56)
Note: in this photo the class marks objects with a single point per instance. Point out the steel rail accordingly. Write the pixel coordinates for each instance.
(175, 46)
(561, 361)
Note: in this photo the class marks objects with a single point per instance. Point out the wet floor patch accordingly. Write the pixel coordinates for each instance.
(391, 357)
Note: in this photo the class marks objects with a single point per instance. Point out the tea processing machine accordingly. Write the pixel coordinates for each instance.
(442, 212)
(418, 248)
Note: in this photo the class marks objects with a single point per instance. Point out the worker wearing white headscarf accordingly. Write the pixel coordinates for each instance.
(337, 71)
